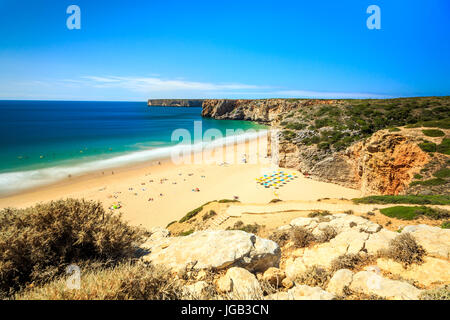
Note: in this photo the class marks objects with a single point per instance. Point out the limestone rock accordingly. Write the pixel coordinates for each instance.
(274, 276)
(433, 270)
(341, 279)
(241, 283)
(435, 240)
(195, 291)
(287, 283)
(303, 292)
(216, 249)
(372, 283)
(379, 241)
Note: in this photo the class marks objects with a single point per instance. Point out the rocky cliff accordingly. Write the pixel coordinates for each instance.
(175, 102)
(347, 141)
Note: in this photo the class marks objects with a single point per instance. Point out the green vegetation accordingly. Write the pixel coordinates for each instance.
(186, 233)
(433, 133)
(428, 146)
(318, 213)
(418, 176)
(443, 173)
(407, 199)
(208, 215)
(441, 293)
(444, 147)
(431, 182)
(227, 201)
(193, 213)
(38, 243)
(411, 213)
(337, 126)
(250, 228)
(445, 224)
(171, 223)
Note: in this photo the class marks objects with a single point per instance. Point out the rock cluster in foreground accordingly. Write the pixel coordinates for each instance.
(249, 261)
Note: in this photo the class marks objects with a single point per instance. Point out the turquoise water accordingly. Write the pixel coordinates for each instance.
(47, 140)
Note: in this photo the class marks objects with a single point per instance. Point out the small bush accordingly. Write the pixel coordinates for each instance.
(281, 237)
(418, 176)
(301, 237)
(444, 147)
(394, 130)
(445, 224)
(442, 293)
(208, 215)
(193, 213)
(124, 282)
(327, 234)
(347, 261)
(314, 276)
(250, 228)
(319, 213)
(404, 249)
(443, 173)
(433, 133)
(428, 146)
(37, 243)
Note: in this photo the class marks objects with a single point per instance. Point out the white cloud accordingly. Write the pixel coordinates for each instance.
(154, 84)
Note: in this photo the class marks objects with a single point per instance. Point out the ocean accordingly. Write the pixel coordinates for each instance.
(46, 141)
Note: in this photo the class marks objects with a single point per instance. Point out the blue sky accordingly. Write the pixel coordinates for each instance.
(134, 50)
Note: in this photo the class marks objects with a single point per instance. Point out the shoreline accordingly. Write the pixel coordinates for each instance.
(152, 194)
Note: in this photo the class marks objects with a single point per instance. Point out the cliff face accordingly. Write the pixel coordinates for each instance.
(175, 102)
(267, 110)
(382, 162)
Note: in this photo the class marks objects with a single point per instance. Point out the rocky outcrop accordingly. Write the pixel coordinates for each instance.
(240, 283)
(217, 249)
(175, 102)
(435, 240)
(266, 111)
(384, 163)
(372, 283)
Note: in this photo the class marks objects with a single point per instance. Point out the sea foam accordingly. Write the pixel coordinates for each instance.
(13, 182)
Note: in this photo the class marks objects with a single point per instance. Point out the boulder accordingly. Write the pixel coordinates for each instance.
(216, 249)
(274, 276)
(379, 241)
(240, 283)
(435, 240)
(431, 271)
(373, 283)
(341, 279)
(351, 241)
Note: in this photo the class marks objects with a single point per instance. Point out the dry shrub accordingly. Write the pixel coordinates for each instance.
(37, 243)
(327, 234)
(280, 237)
(314, 276)
(301, 237)
(404, 249)
(126, 281)
(348, 261)
(440, 293)
(319, 213)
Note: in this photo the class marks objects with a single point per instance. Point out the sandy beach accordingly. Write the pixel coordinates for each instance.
(158, 192)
